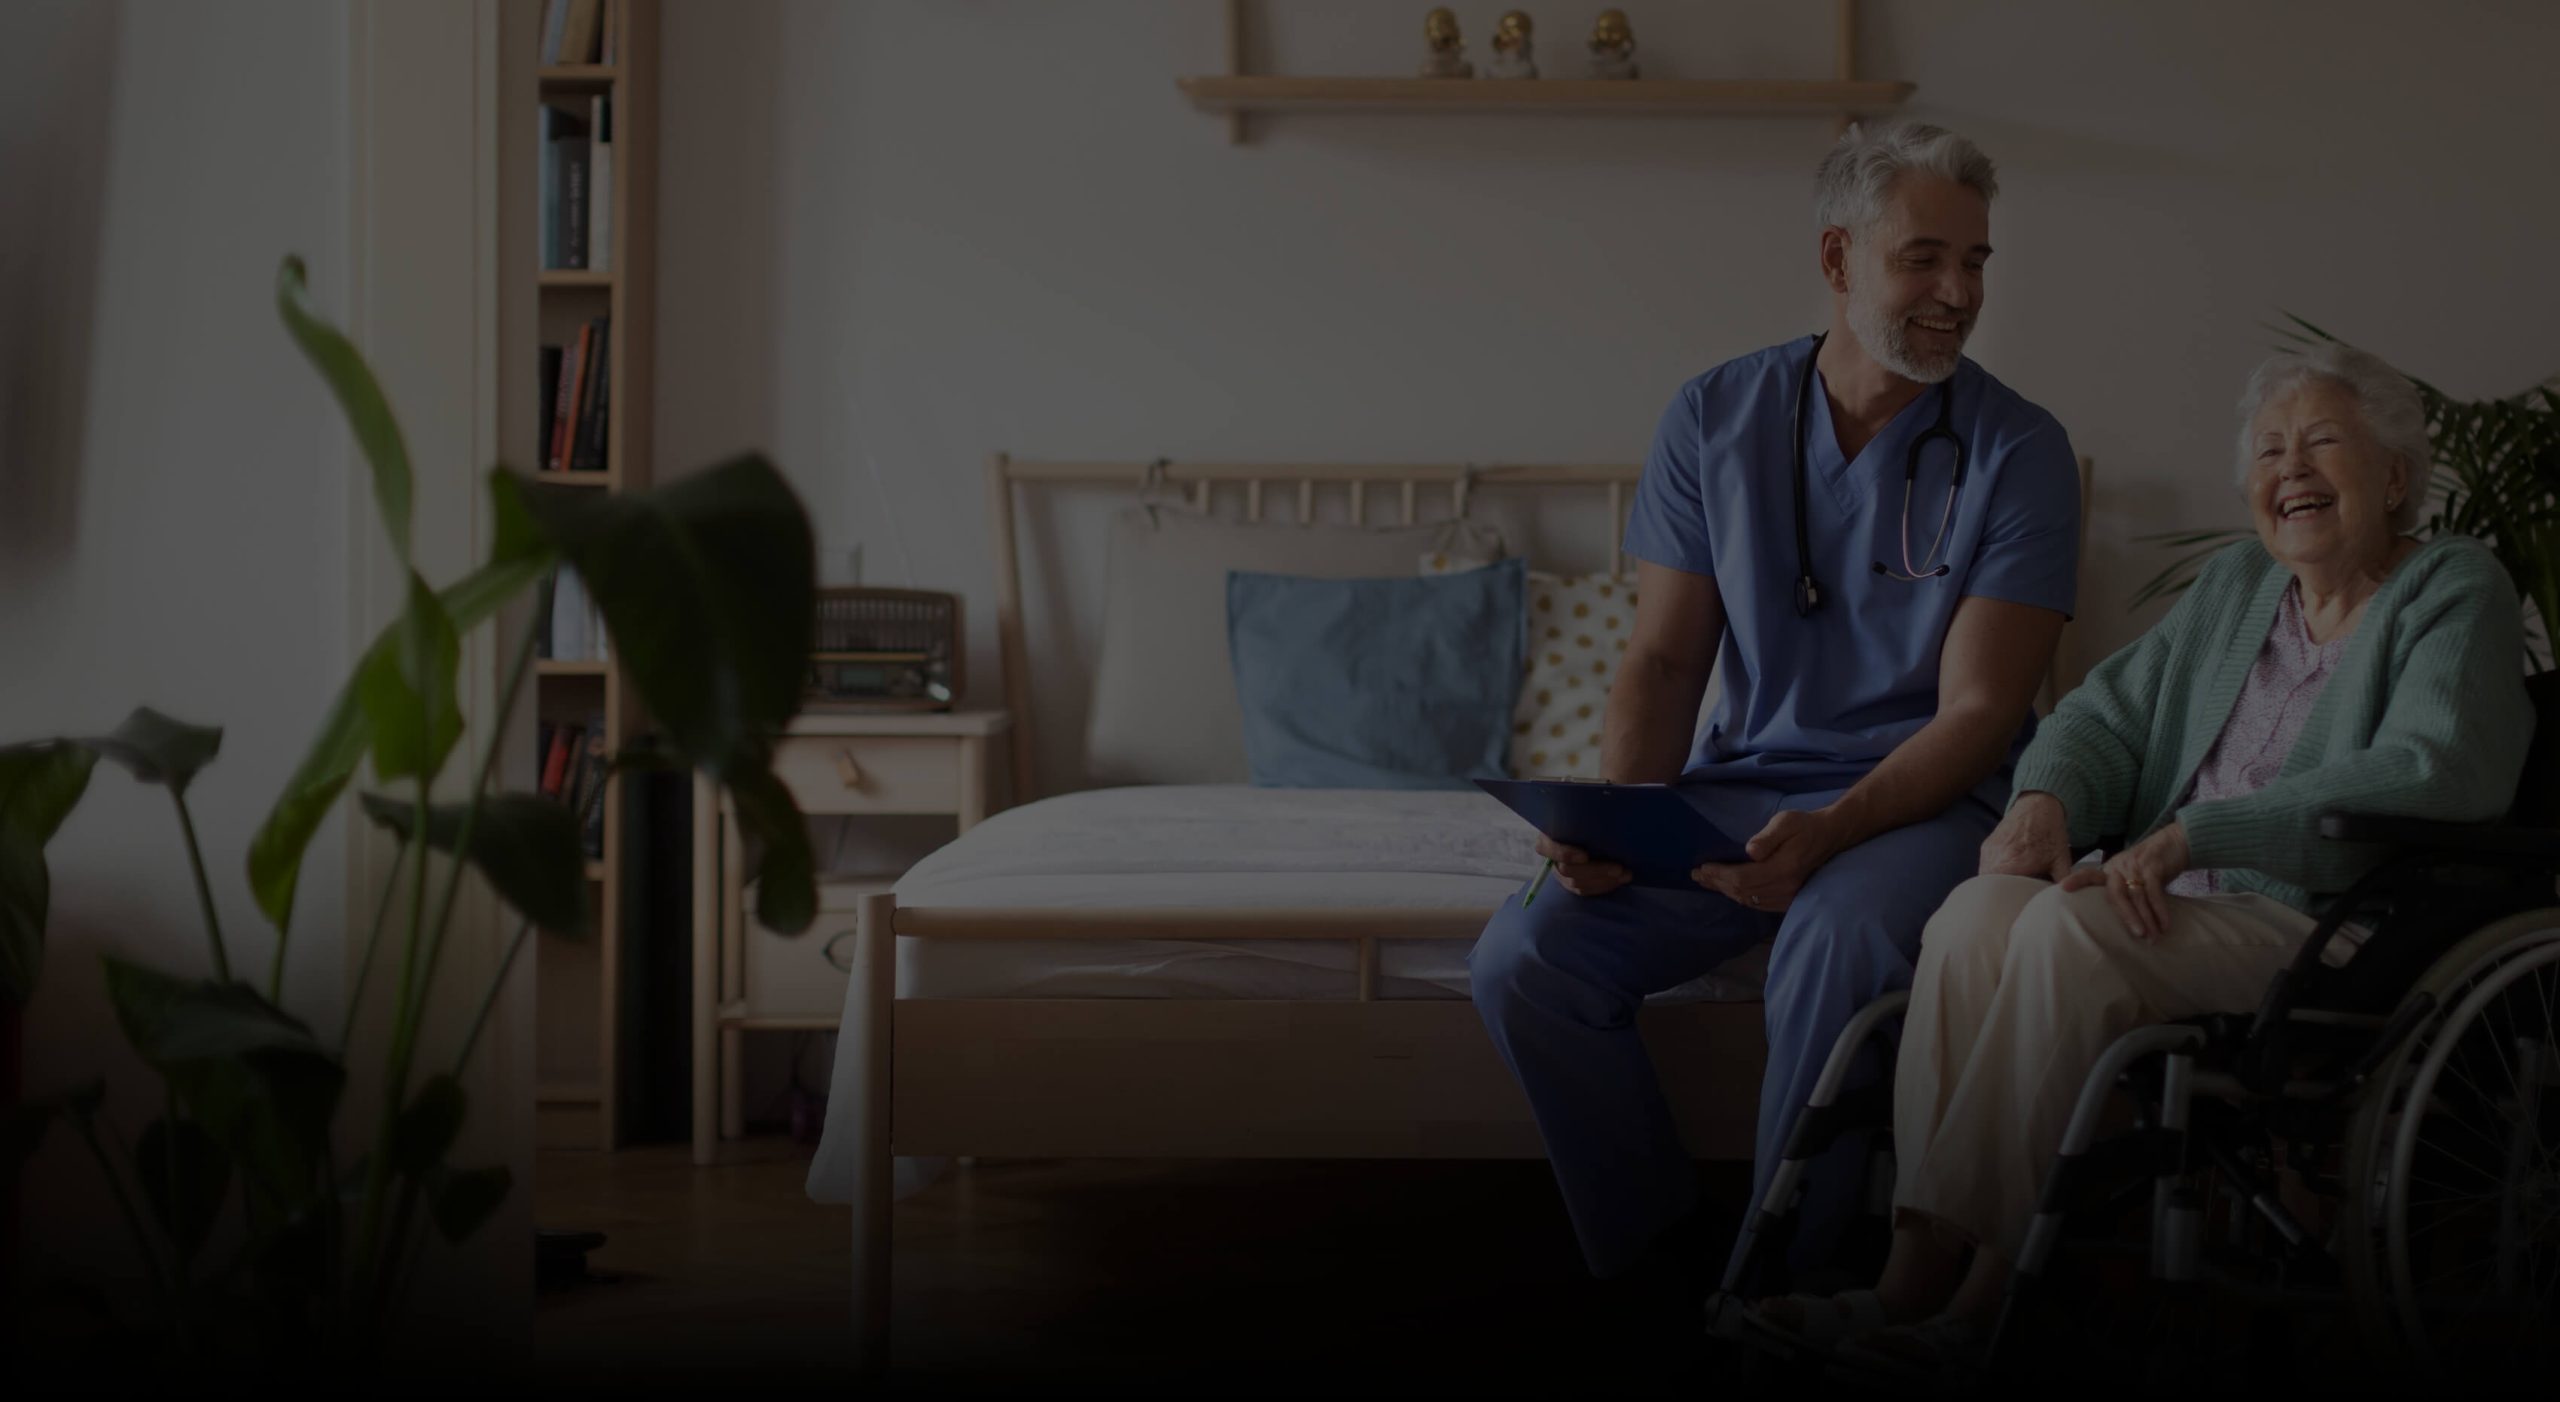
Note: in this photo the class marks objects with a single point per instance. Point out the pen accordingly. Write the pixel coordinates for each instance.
(1537, 881)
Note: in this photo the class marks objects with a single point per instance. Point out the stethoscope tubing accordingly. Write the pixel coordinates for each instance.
(1808, 593)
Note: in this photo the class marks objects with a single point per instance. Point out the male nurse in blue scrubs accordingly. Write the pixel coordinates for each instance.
(1877, 688)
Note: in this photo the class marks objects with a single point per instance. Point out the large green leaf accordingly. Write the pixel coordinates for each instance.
(39, 786)
(708, 589)
(359, 396)
(159, 750)
(786, 880)
(428, 1127)
(517, 557)
(253, 1074)
(183, 1174)
(526, 846)
(463, 1199)
(410, 694)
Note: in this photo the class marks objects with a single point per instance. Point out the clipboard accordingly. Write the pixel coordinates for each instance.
(1652, 830)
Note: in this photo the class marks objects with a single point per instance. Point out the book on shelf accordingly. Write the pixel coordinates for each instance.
(550, 359)
(577, 631)
(542, 615)
(599, 249)
(578, 401)
(594, 767)
(574, 31)
(559, 745)
(563, 168)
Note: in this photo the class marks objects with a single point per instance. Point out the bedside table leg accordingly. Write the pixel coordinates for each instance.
(973, 781)
(706, 964)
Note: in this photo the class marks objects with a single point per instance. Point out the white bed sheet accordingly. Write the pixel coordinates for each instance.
(1229, 847)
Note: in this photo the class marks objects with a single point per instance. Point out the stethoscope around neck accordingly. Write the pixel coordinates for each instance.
(1808, 590)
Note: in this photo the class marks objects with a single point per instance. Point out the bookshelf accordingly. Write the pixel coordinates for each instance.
(578, 1053)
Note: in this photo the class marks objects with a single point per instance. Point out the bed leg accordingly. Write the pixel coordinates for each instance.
(874, 991)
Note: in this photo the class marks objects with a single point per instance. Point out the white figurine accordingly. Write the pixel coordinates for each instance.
(1613, 46)
(1447, 56)
(1514, 48)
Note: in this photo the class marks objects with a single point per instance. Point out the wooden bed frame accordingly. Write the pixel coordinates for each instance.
(1214, 1078)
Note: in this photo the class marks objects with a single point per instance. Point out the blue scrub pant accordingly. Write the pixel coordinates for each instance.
(1558, 983)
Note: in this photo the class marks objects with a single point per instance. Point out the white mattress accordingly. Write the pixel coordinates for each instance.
(1232, 847)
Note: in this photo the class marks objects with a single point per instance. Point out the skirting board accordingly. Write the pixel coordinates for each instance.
(1143, 1078)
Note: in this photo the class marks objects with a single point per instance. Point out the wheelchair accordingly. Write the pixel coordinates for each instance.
(2371, 1156)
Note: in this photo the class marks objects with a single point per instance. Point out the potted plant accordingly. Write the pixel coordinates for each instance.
(706, 588)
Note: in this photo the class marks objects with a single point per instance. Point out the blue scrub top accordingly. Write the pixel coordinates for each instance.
(1812, 703)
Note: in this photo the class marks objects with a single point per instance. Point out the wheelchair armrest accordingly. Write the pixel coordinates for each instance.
(2428, 835)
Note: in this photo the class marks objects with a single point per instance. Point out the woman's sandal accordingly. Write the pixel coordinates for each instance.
(1822, 1322)
(1931, 1348)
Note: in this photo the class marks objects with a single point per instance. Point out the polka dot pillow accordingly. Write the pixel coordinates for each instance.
(1578, 629)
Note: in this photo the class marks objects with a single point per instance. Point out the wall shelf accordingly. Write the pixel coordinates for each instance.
(547, 667)
(1252, 93)
(578, 75)
(576, 277)
(1239, 94)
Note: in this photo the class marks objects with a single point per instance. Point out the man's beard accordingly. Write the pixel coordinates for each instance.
(1885, 335)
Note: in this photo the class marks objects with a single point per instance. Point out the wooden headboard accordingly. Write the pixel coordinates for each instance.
(1360, 485)
(1204, 483)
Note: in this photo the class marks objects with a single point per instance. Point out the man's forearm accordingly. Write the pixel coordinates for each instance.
(1652, 716)
(1926, 773)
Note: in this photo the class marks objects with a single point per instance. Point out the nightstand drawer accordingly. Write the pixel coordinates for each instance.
(871, 774)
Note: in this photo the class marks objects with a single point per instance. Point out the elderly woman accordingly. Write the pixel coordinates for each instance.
(2332, 663)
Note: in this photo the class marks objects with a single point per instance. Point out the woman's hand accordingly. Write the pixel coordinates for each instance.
(1576, 872)
(2137, 880)
(2033, 840)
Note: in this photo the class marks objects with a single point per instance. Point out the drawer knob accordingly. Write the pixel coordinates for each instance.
(848, 770)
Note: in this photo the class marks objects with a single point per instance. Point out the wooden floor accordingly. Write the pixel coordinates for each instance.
(1086, 1277)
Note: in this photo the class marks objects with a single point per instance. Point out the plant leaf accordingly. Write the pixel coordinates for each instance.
(39, 786)
(786, 880)
(517, 557)
(708, 589)
(250, 1071)
(427, 1128)
(170, 1020)
(466, 1198)
(180, 1157)
(409, 694)
(359, 396)
(527, 846)
(159, 750)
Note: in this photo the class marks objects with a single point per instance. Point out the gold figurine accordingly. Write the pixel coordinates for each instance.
(1613, 46)
(1514, 48)
(1448, 52)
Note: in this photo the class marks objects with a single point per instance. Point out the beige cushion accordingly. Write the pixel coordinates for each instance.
(1164, 693)
(1578, 630)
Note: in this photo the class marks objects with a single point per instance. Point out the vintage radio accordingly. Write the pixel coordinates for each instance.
(886, 650)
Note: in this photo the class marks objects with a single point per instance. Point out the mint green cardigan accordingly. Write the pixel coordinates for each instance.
(2425, 717)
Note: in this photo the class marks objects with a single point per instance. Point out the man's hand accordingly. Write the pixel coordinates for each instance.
(2034, 840)
(1784, 855)
(2137, 880)
(1576, 872)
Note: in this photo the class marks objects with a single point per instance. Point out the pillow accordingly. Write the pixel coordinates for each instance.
(1578, 630)
(1164, 698)
(1376, 683)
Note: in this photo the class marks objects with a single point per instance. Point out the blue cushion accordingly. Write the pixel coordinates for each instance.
(1377, 683)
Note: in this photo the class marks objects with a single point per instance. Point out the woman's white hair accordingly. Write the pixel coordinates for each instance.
(1850, 186)
(2385, 400)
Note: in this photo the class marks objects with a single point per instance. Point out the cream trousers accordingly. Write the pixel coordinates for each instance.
(2020, 987)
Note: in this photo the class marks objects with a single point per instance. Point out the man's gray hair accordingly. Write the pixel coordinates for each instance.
(2385, 400)
(1850, 186)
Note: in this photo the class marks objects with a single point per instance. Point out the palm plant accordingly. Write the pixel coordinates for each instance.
(707, 591)
(2498, 480)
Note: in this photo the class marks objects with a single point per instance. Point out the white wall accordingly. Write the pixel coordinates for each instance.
(913, 232)
(173, 495)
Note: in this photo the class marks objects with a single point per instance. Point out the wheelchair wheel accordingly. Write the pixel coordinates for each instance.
(2450, 1232)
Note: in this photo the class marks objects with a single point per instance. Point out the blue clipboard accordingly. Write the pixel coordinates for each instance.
(1650, 829)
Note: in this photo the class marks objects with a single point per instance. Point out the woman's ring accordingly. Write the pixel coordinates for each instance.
(2134, 881)
(1750, 899)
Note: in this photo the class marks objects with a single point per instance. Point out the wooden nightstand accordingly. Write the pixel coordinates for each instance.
(836, 765)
